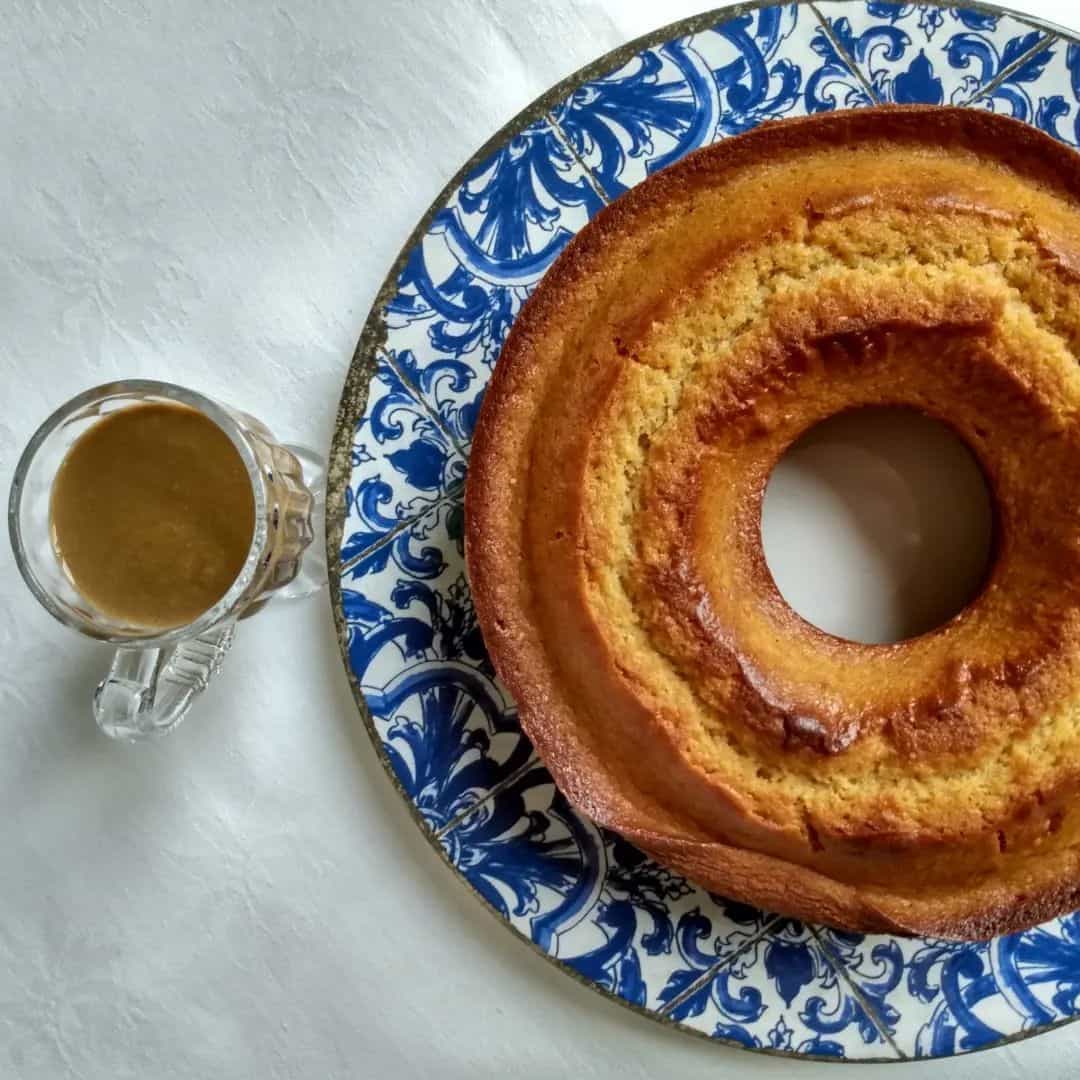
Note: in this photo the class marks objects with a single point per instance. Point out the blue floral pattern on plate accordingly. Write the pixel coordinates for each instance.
(785, 992)
(480, 257)
(592, 900)
(447, 729)
(687, 93)
(402, 462)
(1044, 92)
(923, 53)
(937, 998)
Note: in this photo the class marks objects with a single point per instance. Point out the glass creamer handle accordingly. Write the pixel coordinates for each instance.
(149, 691)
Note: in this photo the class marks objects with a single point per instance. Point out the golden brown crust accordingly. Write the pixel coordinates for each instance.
(916, 256)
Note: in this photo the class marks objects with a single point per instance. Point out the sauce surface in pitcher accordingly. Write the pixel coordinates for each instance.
(152, 515)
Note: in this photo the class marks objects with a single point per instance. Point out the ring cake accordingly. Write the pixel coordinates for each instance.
(920, 257)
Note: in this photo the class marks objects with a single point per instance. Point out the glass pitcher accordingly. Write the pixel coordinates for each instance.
(156, 675)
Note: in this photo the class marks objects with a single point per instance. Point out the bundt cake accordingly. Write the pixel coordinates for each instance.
(921, 257)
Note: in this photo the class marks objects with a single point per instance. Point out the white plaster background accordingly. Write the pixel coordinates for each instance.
(211, 191)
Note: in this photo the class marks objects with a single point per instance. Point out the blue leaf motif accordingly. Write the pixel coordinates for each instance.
(421, 463)
(443, 381)
(1016, 47)
(1072, 62)
(918, 84)
(679, 981)
(357, 543)
(704, 119)
(790, 966)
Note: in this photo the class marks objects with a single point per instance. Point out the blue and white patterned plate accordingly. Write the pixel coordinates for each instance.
(446, 730)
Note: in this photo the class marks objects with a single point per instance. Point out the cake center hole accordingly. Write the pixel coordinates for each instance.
(877, 525)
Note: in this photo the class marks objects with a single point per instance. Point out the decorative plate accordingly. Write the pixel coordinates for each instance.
(446, 730)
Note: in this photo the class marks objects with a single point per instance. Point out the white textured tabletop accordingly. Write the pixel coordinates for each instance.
(210, 192)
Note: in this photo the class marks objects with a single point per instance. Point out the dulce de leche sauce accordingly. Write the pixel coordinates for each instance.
(152, 515)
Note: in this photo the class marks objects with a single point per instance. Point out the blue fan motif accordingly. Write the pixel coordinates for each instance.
(481, 256)
(692, 91)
